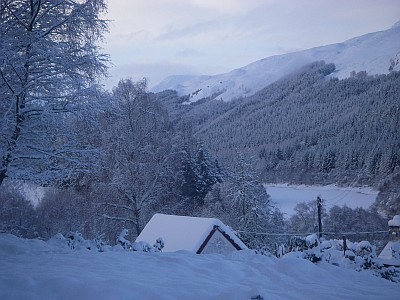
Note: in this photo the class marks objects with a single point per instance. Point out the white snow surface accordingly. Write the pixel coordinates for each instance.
(182, 233)
(286, 196)
(395, 221)
(34, 269)
(372, 53)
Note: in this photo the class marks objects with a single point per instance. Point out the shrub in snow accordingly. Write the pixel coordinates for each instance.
(141, 247)
(358, 256)
(279, 250)
(390, 273)
(59, 241)
(121, 240)
(312, 241)
(77, 242)
(297, 243)
(58, 237)
(146, 247)
(101, 245)
(138, 246)
(266, 251)
(73, 241)
(159, 245)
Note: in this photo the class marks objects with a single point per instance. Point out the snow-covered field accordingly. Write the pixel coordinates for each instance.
(287, 196)
(33, 269)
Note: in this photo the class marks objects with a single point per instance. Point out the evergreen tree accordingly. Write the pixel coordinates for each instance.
(190, 181)
(200, 174)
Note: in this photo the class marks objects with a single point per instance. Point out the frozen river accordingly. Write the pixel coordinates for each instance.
(287, 196)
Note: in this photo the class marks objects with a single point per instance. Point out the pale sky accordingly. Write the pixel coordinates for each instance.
(158, 38)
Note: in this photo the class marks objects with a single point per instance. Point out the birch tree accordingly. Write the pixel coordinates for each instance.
(140, 155)
(49, 66)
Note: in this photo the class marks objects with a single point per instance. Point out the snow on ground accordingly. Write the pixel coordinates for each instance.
(287, 196)
(33, 269)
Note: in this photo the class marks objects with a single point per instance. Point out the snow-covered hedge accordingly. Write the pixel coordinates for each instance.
(138, 246)
(75, 241)
(358, 256)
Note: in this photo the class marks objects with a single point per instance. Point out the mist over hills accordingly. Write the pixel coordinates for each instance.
(375, 53)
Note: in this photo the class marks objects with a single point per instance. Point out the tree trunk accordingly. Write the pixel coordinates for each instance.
(3, 175)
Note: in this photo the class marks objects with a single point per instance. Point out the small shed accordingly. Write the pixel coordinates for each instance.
(193, 234)
(390, 255)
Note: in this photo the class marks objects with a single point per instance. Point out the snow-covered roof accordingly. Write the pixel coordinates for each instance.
(395, 221)
(183, 233)
(386, 255)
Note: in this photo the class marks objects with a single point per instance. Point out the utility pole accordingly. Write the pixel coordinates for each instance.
(319, 208)
(344, 246)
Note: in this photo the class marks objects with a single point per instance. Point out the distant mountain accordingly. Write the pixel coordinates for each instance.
(375, 53)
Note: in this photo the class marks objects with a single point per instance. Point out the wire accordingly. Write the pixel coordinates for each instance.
(309, 233)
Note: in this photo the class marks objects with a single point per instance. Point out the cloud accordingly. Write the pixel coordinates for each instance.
(155, 72)
(155, 38)
(188, 52)
(192, 30)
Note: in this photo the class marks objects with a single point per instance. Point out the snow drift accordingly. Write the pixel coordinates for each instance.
(34, 269)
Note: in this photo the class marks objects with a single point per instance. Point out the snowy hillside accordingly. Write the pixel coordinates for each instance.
(33, 269)
(371, 52)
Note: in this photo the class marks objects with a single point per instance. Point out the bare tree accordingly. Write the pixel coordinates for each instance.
(17, 215)
(140, 155)
(49, 64)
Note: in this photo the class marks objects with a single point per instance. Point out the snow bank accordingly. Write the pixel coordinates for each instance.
(32, 269)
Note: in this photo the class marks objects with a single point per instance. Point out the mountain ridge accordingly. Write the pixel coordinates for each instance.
(372, 52)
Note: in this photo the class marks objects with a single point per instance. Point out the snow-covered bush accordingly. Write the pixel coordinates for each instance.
(138, 246)
(266, 251)
(159, 245)
(279, 250)
(76, 241)
(358, 256)
(297, 243)
(101, 245)
(121, 240)
(141, 247)
(146, 247)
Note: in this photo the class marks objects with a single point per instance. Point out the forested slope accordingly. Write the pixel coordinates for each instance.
(307, 127)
